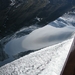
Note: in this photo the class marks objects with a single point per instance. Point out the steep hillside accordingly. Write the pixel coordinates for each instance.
(16, 14)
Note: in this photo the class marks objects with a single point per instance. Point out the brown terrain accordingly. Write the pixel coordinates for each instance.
(70, 65)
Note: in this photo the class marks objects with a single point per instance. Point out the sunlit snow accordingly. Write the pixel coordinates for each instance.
(47, 61)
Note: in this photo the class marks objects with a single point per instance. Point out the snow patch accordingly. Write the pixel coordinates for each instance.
(47, 61)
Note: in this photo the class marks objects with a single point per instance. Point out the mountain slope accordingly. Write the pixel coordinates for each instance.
(47, 61)
(16, 14)
(66, 20)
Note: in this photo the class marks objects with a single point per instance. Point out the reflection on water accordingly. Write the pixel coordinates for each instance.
(47, 36)
(14, 46)
(39, 38)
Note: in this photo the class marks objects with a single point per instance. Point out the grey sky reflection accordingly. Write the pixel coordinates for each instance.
(46, 36)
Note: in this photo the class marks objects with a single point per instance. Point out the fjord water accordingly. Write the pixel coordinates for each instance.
(53, 33)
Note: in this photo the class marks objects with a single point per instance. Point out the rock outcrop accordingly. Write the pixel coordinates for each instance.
(3, 55)
(16, 14)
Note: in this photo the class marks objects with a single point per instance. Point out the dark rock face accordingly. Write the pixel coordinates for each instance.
(23, 13)
(4, 4)
(3, 55)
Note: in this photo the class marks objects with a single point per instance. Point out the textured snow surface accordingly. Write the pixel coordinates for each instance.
(47, 61)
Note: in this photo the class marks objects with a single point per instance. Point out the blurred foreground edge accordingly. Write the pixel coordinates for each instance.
(69, 66)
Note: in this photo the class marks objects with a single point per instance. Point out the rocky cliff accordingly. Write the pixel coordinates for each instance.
(3, 55)
(16, 14)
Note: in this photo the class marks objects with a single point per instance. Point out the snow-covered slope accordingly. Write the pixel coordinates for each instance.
(47, 61)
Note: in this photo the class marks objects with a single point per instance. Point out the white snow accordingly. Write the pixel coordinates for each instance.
(47, 61)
